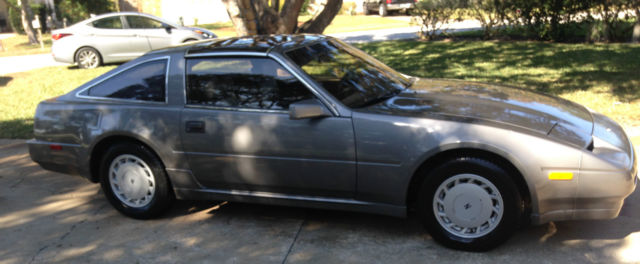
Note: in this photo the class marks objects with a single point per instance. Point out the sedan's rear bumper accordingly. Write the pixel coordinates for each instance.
(63, 51)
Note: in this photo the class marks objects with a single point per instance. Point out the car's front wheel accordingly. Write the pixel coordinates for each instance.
(469, 204)
(88, 58)
(134, 181)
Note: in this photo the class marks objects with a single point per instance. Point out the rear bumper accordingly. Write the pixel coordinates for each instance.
(403, 6)
(68, 159)
(63, 52)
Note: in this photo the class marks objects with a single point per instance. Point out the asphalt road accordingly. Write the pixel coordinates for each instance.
(15, 64)
(55, 218)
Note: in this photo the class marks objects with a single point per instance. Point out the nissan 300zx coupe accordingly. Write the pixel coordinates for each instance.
(307, 120)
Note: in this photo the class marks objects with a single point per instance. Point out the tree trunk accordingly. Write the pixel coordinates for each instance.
(251, 17)
(289, 15)
(635, 38)
(318, 23)
(52, 8)
(242, 16)
(27, 16)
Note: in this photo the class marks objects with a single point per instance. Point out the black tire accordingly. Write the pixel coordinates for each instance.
(161, 196)
(88, 58)
(478, 174)
(365, 10)
(382, 10)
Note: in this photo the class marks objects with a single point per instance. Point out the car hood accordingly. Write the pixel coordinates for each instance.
(493, 104)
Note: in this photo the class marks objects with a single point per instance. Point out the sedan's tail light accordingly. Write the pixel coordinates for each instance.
(389, 1)
(59, 36)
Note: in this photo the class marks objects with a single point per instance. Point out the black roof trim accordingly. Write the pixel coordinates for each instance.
(259, 43)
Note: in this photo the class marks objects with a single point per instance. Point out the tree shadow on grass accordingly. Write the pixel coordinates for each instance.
(545, 67)
(17, 128)
(4, 80)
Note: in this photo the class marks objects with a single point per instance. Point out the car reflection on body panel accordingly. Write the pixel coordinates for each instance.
(307, 120)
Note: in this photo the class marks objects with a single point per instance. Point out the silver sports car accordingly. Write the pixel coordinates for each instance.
(308, 120)
(118, 37)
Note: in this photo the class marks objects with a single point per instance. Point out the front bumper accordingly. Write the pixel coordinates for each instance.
(599, 192)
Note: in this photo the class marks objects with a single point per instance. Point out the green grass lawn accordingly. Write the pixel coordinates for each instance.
(604, 77)
(19, 45)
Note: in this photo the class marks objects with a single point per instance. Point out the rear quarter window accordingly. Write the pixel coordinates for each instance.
(143, 82)
(108, 23)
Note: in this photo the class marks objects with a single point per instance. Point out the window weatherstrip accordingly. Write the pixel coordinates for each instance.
(166, 84)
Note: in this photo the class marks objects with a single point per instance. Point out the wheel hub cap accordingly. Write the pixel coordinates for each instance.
(131, 180)
(468, 205)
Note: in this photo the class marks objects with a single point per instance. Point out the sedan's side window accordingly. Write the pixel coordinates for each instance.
(256, 83)
(142, 22)
(108, 23)
(144, 82)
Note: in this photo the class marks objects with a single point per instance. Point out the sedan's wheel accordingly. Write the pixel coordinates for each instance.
(88, 58)
(134, 181)
(470, 204)
(382, 10)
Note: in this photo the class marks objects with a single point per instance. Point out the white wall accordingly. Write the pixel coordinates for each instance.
(206, 11)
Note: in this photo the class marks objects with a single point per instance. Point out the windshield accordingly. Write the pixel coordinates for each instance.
(350, 75)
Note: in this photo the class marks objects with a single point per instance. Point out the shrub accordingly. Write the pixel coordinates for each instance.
(433, 16)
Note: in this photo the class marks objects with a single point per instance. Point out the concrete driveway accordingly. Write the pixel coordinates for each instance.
(50, 217)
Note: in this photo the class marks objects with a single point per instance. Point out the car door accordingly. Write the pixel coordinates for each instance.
(154, 31)
(115, 41)
(238, 135)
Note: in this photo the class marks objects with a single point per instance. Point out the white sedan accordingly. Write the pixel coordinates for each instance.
(118, 37)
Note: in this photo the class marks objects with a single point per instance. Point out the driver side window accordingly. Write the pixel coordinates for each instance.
(255, 83)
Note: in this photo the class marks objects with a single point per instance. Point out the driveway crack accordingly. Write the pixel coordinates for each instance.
(38, 253)
(294, 240)
(66, 234)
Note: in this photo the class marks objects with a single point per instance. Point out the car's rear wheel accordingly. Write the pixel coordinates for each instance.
(469, 204)
(134, 181)
(382, 10)
(88, 58)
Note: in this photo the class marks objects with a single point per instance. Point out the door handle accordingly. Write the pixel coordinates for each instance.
(194, 127)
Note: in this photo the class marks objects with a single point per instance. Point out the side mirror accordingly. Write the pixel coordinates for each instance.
(167, 28)
(308, 109)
